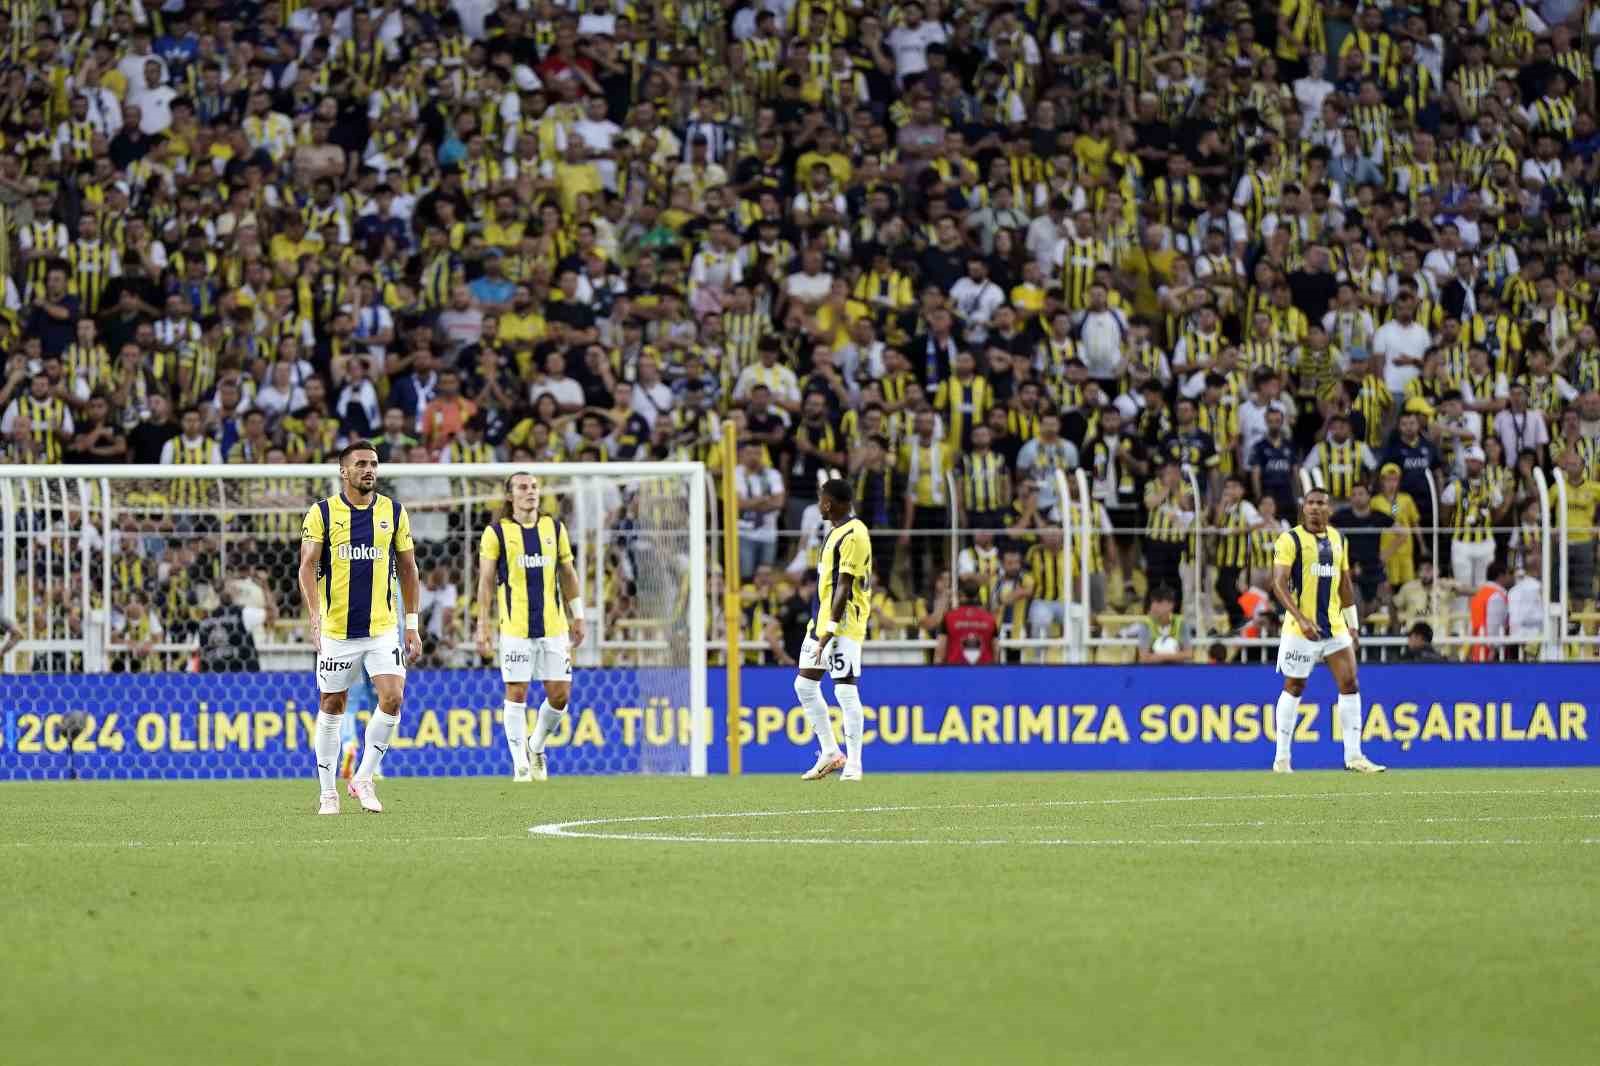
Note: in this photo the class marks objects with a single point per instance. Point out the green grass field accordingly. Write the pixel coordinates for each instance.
(1423, 917)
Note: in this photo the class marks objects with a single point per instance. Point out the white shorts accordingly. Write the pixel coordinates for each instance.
(337, 661)
(524, 659)
(844, 657)
(1297, 655)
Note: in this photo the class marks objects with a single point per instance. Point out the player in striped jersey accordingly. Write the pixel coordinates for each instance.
(528, 571)
(352, 547)
(1311, 580)
(834, 635)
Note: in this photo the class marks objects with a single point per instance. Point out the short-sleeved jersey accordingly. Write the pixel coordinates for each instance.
(1316, 564)
(526, 560)
(355, 576)
(848, 550)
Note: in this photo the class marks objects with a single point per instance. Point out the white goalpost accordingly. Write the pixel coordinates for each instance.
(132, 590)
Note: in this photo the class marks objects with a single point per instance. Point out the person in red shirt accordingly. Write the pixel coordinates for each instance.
(969, 631)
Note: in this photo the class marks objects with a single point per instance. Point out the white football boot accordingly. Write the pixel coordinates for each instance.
(825, 765)
(363, 789)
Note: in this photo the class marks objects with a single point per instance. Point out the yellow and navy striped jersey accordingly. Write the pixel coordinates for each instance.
(1233, 539)
(848, 550)
(1473, 520)
(1316, 564)
(983, 482)
(355, 576)
(1044, 567)
(526, 561)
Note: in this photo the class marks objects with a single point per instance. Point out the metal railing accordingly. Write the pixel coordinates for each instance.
(65, 564)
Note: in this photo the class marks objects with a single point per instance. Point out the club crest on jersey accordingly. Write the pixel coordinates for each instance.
(383, 524)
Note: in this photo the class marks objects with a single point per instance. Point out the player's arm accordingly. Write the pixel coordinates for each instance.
(488, 576)
(411, 593)
(1283, 560)
(1347, 595)
(572, 592)
(405, 550)
(485, 603)
(313, 539)
(836, 607)
(1286, 599)
(310, 553)
(571, 588)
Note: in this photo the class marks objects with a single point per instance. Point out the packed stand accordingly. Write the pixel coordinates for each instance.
(1176, 246)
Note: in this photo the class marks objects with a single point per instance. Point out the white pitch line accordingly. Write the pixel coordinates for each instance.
(322, 842)
(582, 829)
(1252, 824)
(1197, 842)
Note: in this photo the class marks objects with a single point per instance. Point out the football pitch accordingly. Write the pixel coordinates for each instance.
(1417, 917)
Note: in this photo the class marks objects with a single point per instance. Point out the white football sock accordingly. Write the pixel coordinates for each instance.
(516, 723)
(849, 698)
(1288, 721)
(549, 718)
(326, 745)
(380, 728)
(810, 693)
(1350, 724)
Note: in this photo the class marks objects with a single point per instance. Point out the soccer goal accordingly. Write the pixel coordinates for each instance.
(155, 627)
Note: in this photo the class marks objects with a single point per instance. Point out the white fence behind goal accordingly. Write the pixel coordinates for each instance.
(149, 574)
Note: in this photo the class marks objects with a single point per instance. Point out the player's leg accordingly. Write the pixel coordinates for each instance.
(1342, 664)
(1295, 660)
(515, 721)
(552, 663)
(335, 672)
(516, 671)
(845, 669)
(808, 688)
(386, 666)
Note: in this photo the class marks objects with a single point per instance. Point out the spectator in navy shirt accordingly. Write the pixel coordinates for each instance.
(1273, 462)
(1416, 456)
(383, 222)
(54, 315)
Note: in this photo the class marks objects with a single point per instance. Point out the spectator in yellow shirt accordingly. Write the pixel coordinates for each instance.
(1583, 501)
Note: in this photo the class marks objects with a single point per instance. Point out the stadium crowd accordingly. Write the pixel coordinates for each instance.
(1166, 243)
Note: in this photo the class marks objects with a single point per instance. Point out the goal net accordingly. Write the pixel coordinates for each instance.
(155, 629)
